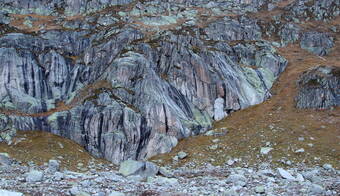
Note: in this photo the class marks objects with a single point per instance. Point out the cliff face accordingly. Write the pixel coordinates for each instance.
(127, 79)
(319, 88)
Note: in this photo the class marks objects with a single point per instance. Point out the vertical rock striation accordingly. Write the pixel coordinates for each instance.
(126, 90)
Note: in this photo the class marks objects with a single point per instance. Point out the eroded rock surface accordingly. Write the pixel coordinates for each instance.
(125, 87)
(127, 79)
(319, 88)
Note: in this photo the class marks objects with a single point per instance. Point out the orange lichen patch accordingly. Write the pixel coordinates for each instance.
(39, 147)
(276, 121)
(39, 22)
(83, 94)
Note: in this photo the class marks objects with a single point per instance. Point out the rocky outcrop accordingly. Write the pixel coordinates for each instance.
(290, 33)
(126, 87)
(314, 9)
(319, 88)
(7, 130)
(317, 43)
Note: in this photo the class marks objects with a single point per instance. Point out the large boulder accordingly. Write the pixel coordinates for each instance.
(319, 88)
(143, 169)
(34, 176)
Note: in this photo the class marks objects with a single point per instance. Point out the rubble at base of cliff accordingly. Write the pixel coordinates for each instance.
(226, 180)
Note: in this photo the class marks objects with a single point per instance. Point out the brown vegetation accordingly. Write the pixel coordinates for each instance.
(39, 147)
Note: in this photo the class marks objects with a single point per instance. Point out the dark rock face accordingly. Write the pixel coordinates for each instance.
(290, 33)
(317, 43)
(319, 88)
(127, 88)
(318, 9)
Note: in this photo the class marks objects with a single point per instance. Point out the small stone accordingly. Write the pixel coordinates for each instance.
(175, 158)
(215, 140)
(310, 145)
(182, 155)
(116, 193)
(265, 150)
(165, 172)
(58, 176)
(301, 150)
(235, 178)
(74, 190)
(5, 154)
(5, 159)
(34, 176)
(209, 133)
(122, 14)
(327, 166)
(260, 189)
(53, 166)
(230, 162)
(300, 178)
(9, 193)
(213, 147)
(267, 172)
(230, 192)
(82, 193)
(162, 180)
(316, 189)
(136, 178)
(285, 174)
(60, 145)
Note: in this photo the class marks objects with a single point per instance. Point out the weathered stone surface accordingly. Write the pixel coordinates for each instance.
(7, 130)
(10, 193)
(318, 9)
(319, 88)
(290, 33)
(5, 159)
(123, 92)
(53, 166)
(285, 174)
(115, 193)
(143, 169)
(265, 150)
(317, 43)
(34, 176)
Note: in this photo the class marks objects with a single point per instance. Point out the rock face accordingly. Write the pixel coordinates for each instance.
(317, 43)
(319, 88)
(123, 86)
